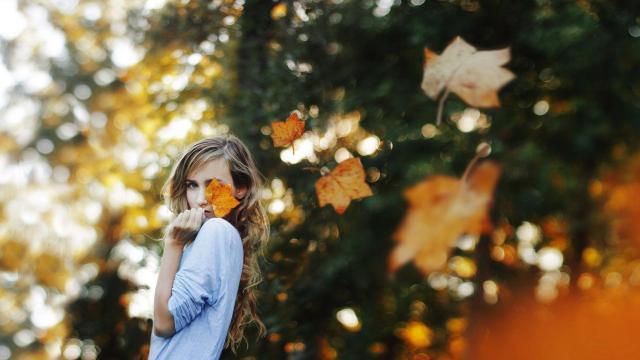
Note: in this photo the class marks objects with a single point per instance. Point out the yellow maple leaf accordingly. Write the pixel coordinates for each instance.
(474, 75)
(220, 196)
(345, 183)
(441, 209)
(284, 133)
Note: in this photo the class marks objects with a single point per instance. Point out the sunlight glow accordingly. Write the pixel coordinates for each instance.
(348, 318)
(429, 131)
(124, 53)
(528, 233)
(541, 108)
(12, 22)
(302, 149)
(468, 120)
(490, 291)
(276, 206)
(45, 317)
(24, 337)
(177, 129)
(549, 259)
(465, 289)
(368, 145)
(154, 4)
(342, 154)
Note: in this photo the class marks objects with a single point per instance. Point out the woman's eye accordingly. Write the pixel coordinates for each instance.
(190, 185)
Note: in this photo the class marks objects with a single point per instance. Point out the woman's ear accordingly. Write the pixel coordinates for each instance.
(241, 192)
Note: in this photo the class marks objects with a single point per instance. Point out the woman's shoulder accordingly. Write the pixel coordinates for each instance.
(224, 238)
(216, 225)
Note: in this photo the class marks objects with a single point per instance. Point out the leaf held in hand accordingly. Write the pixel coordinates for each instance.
(345, 183)
(220, 196)
(441, 209)
(284, 133)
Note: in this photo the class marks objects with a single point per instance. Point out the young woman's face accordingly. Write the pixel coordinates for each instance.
(198, 180)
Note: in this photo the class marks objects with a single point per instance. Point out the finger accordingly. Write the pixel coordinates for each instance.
(184, 219)
(193, 219)
(176, 220)
(199, 217)
(181, 220)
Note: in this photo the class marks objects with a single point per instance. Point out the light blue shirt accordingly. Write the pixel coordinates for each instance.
(203, 295)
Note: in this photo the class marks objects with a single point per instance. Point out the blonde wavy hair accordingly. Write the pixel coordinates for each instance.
(249, 217)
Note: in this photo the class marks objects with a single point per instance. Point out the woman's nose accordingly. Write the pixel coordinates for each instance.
(202, 200)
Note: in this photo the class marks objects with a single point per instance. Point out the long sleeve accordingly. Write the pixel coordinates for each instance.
(198, 282)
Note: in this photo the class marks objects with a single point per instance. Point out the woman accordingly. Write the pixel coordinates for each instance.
(204, 296)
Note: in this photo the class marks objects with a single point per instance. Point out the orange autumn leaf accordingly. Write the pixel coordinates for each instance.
(345, 183)
(475, 76)
(441, 209)
(284, 133)
(220, 196)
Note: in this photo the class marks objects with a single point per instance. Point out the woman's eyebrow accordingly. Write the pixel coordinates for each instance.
(206, 181)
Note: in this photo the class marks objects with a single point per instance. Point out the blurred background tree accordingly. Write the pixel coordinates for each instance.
(99, 98)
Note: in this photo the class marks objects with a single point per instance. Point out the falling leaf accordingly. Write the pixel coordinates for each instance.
(474, 75)
(220, 196)
(343, 184)
(441, 209)
(285, 132)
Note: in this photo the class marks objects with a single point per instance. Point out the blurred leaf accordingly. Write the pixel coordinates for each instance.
(602, 325)
(441, 209)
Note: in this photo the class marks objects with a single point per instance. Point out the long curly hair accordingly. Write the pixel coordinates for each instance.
(249, 218)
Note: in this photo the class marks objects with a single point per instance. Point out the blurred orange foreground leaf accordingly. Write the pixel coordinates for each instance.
(221, 197)
(441, 209)
(345, 183)
(587, 328)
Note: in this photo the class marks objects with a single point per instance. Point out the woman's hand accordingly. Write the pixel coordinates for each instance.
(184, 227)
